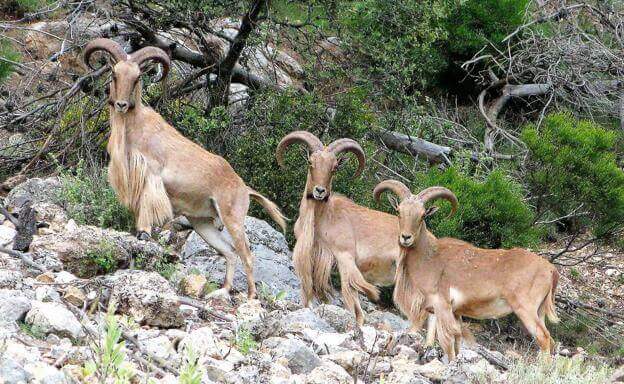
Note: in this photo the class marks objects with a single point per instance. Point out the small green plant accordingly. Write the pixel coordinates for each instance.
(557, 370)
(103, 256)
(209, 287)
(32, 330)
(109, 360)
(89, 199)
(191, 371)
(244, 341)
(575, 273)
(9, 56)
(267, 295)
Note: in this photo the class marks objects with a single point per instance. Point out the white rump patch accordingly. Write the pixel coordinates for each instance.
(456, 297)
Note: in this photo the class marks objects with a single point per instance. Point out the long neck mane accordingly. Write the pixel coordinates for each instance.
(122, 175)
(409, 298)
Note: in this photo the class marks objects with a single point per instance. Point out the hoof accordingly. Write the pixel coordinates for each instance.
(142, 235)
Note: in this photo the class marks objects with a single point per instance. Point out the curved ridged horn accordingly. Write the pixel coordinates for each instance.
(433, 193)
(394, 186)
(153, 53)
(107, 45)
(349, 145)
(313, 143)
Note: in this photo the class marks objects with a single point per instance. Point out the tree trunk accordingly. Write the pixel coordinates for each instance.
(416, 147)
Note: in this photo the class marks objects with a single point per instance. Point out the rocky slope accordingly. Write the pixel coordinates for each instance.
(53, 315)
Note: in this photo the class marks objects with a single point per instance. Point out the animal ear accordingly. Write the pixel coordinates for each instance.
(393, 201)
(431, 210)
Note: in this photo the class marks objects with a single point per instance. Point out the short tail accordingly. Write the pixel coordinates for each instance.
(271, 208)
(549, 302)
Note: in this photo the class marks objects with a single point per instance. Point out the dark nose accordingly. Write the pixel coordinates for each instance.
(121, 104)
(319, 189)
(405, 237)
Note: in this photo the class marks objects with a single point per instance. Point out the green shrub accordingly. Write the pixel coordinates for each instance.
(89, 199)
(397, 43)
(473, 24)
(572, 167)
(7, 52)
(109, 362)
(244, 341)
(21, 7)
(103, 257)
(491, 213)
(191, 371)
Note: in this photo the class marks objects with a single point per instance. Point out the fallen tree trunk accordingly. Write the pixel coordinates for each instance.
(416, 147)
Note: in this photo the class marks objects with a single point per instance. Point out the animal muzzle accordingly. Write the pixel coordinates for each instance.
(406, 240)
(320, 193)
(123, 106)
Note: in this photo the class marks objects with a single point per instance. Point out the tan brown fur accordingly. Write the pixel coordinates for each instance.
(452, 278)
(333, 230)
(156, 172)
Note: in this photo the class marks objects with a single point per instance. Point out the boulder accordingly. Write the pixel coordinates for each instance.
(11, 279)
(75, 296)
(387, 321)
(46, 293)
(13, 306)
(405, 372)
(35, 190)
(147, 297)
(202, 342)
(347, 359)
(79, 249)
(273, 265)
(54, 318)
(193, 285)
(297, 321)
(329, 373)
(301, 358)
(7, 234)
(339, 318)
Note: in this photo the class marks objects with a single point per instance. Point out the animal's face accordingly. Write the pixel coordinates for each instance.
(412, 214)
(323, 165)
(125, 77)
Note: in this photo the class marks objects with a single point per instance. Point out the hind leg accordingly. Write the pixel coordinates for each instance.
(215, 238)
(535, 327)
(350, 295)
(233, 217)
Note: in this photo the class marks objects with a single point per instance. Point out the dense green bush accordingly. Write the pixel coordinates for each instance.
(572, 167)
(7, 52)
(473, 24)
(397, 43)
(89, 199)
(21, 7)
(491, 213)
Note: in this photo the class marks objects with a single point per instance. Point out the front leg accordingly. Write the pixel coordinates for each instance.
(153, 207)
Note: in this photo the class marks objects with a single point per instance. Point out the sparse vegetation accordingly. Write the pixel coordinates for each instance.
(244, 341)
(89, 199)
(558, 370)
(31, 330)
(103, 257)
(191, 371)
(109, 357)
